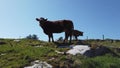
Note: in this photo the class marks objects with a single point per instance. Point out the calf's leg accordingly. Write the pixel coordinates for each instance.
(76, 38)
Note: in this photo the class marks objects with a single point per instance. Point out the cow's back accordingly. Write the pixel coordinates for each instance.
(58, 26)
(68, 24)
(64, 23)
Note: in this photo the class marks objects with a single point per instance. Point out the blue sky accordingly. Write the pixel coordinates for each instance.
(93, 17)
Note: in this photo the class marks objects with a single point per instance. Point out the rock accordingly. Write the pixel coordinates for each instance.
(78, 49)
(1, 43)
(102, 50)
(39, 64)
(92, 51)
(16, 40)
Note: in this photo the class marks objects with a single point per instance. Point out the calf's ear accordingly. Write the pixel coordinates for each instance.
(37, 19)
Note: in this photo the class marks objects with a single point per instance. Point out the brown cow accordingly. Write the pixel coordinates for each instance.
(50, 27)
(77, 33)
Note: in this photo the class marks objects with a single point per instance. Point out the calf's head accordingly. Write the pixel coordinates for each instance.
(81, 34)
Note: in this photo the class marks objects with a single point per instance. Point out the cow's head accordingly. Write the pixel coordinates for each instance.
(41, 20)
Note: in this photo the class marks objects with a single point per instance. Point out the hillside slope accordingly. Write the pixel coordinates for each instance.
(20, 53)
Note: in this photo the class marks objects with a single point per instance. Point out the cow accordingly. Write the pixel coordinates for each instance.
(77, 33)
(58, 26)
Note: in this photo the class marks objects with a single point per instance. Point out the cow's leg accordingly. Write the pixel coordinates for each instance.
(66, 37)
(52, 38)
(70, 34)
(70, 38)
(49, 38)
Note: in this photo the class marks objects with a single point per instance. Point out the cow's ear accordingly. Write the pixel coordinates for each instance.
(37, 19)
(46, 19)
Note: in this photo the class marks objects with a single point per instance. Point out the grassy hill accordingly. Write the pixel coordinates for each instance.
(20, 53)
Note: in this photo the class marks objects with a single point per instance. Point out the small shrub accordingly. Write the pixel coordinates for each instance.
(34, 37)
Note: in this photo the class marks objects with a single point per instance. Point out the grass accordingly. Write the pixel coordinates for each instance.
(20, 54)
(106, 61)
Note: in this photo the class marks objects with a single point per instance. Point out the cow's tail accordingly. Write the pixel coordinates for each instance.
(72, 28)
(72, 31)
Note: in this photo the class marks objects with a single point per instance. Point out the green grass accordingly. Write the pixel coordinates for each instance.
(106, 61)
(19, 54)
